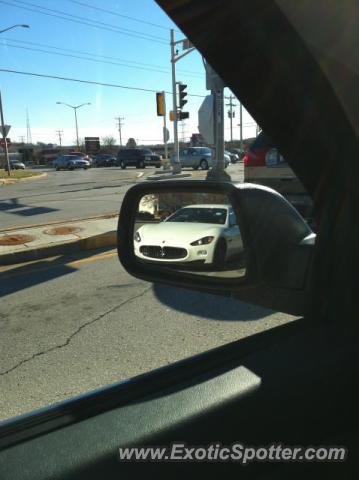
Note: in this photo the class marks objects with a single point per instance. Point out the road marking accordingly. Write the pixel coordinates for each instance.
(11, 270)
(92, 259)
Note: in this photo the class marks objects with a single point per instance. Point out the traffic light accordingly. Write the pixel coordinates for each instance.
(182, 94)
(172, 115)
(161, 106)
(182, 115)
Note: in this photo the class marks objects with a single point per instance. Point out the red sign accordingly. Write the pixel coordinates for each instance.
(2, 143)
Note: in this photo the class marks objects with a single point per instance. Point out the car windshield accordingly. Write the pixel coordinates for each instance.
(200, 215)
(83, 81)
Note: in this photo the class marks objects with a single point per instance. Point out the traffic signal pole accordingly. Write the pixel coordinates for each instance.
(174, 58)
(4, 137)
(176, 164)
(165, 126)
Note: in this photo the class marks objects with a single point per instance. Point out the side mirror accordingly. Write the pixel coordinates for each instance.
(177, 233)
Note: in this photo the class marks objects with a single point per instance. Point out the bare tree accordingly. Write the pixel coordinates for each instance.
(108, 141)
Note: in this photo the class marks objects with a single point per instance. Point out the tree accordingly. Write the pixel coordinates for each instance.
(108, 141)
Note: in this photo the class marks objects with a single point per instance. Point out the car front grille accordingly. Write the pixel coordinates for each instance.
(166, 253)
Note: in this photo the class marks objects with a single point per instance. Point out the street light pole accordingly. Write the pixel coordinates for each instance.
(76, 124)
(14, 26)
(77, 130)
(4, 137)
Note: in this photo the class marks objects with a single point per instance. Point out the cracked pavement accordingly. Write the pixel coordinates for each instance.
(71, 325)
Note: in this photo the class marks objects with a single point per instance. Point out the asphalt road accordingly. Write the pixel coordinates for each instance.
(67, 195)
(70, 325)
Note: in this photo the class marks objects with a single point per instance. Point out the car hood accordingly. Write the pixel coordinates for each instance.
(179, 232)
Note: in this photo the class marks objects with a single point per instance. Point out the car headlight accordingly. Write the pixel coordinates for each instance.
(203, 241)
(137, 237)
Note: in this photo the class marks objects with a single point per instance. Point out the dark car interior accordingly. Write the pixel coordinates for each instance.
(294, 65)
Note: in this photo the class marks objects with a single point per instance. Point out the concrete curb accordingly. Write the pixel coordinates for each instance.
(11, 181)
(106, 239)
(57, 222)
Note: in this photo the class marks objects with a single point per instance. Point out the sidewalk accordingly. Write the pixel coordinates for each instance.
(41, 241)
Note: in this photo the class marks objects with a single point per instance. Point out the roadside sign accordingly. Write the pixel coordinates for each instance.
(92, 145)
(213, 80)
(5, 130)
(2, 143)
(166, 134)
(205, 119)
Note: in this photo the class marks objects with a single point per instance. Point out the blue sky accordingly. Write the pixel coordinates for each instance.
(114, 54)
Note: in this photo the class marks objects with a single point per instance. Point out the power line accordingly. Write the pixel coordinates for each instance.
(151, 65)
(85, 21)
(91, 59)
(136, 32)
(119, 14)
(90, 82)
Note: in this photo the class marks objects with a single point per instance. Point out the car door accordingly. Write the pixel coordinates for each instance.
(193, 158)
(184, 159)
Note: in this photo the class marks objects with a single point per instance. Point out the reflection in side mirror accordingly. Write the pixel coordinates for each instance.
(196, 233)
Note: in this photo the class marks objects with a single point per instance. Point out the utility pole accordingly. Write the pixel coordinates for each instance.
(4, 134)
(183, 125)
(59, 133)
(231, 113)
(120, 125)
(241, 126)
(218, 128)
(28, 129)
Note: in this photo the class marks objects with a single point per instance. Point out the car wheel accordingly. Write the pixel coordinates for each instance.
(57, 169)
(203, 165)
(141, 164)
(85, 168)
(122, 164)
(220, 253)
(195, 168)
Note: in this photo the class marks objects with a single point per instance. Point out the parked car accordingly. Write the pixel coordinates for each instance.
(137, 157)
(198, 157)
(83, 155)
(232, 155)
(70, 162)
(263, 164)
(15, 165)
(238, 152)
(196, 233)
(104, 160)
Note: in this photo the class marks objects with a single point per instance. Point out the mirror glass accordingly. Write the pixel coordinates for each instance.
(197, 233)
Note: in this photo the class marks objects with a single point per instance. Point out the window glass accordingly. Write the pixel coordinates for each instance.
(81, 81)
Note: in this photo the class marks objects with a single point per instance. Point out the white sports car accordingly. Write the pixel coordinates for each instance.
(196, 233)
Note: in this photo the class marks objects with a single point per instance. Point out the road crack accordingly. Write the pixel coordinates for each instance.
(76, 332)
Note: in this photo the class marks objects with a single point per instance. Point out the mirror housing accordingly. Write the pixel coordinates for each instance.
(279, 245)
